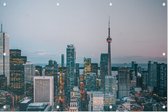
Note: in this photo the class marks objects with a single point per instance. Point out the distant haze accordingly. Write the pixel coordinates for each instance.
(42, 30)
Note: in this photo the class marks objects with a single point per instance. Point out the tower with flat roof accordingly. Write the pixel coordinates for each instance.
(4, 55)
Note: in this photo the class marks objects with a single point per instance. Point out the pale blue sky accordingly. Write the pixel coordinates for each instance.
(42, 30)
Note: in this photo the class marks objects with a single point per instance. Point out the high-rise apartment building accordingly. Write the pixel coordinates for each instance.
(44, 89)
(110, 94)
(111, 85)
(29, 72)
(4, 55)
(162, 80)
(103, 68)
(123, 82)
(17, 72)
(51, 70)
(70, 64)
(152, 74)
(90, 82)
(94, 68)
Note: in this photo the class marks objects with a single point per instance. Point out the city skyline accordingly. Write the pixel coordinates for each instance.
(43, 31)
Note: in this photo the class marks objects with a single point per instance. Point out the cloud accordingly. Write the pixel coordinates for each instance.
(41, 53)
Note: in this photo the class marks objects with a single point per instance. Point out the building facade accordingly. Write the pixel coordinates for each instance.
(123, 82)
(62, 60)
(4, 55)
(96, 101)
(152, 74)
(17, 72)
(94, 68)
(52, 70)
(29, 72)
(103, 68)
(70, 64)
(87, 65)
(44, 89)
(162, 80)
(77, 73)
(90, 82)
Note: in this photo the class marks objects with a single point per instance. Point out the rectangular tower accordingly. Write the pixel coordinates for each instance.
(29, 72)
(103, 68)
(94, 68)
(162, 80)
(17, 71)
(44, 89)
(123, 82)
(70, 64)
(4, 55)
(62, 60)
(87, 65)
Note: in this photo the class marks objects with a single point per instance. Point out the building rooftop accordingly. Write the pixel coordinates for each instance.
(26, 101)
(37, 104)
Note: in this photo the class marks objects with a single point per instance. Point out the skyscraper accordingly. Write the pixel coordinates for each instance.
(162, 80)
(44, 89)
(4, 55)
(94, 68)
(110, 94)
(152, 74)
(29, 73)
(17, 72)
(103, 68)
(62, 60)
(109, 49)
(87, 65)
(77, 73)
(90, 81)
(70, 64)
(51, 70)
(123, 82)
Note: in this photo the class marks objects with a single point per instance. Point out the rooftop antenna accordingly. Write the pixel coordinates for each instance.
(109, 22)
(109, 27)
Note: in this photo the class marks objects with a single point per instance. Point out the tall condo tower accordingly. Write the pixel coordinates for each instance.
(4, 55)
(109, 49)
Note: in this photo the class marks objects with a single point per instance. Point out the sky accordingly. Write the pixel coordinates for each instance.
(42, 29)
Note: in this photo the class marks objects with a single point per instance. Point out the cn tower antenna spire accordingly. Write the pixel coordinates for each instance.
(109, 22)
(109, 27)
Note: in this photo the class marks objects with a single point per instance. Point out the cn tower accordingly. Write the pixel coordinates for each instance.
(109, 40)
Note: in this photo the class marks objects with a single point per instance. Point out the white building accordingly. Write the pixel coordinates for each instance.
(75, 92)
(73, 105)
(4, 55)
(74, 101)
(44, 89)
